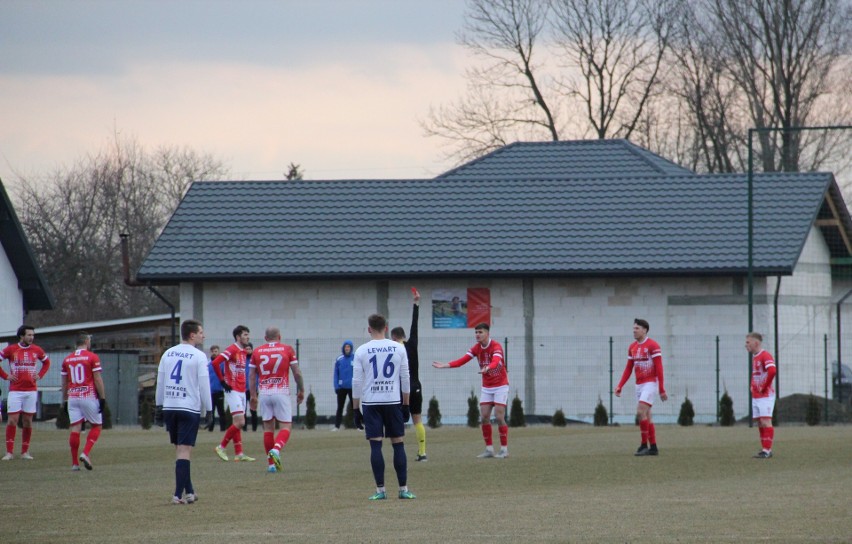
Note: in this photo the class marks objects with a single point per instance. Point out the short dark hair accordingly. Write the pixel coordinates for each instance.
(215, 346)
(239, 329)
(377, 322)
(188, 328)
(642, 323)
(756, 335)
(398, 332)
(82, 336)
(22, 330)
(482, 327)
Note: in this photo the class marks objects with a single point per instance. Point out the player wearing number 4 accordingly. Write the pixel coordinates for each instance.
(495, 387)
(234, 384)
(272, 363)
(83, 398)
(183, 396)
(762, 394)
(646, 356)
(379, 379)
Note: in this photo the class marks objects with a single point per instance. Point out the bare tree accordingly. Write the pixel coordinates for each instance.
(294, 171)
(74, 217)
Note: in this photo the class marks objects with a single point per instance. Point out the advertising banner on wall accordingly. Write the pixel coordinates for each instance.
(460, 308)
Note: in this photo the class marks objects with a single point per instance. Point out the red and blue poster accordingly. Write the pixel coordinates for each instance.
(460, 308)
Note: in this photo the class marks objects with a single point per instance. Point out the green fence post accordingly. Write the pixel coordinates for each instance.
(825, 373)
(611, 415)
(717, 381)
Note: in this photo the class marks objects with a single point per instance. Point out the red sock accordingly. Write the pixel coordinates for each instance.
(229, 435)
(268, 443)
(74, 442)
(766, 436)
(643, 428)
(504, 434)
(652, 433)
(91, 438)
(486, 434)
(10, 438)
(770, 434)
(25, 439)
(238, 441)
(282, 438)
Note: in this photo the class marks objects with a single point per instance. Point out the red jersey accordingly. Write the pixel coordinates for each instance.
(490, 357)
(234, 358)
(647, 358)
(761, 376)
(22, 365)
(80, 367)
(272, 363)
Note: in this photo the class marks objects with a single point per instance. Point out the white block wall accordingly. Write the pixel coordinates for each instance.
(11, 297)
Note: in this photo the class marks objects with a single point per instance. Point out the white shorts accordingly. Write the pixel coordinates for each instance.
(275, 407)
(236, 402)
(88, 409)
(495, 395)
(762, 407)
(22, 401)
(647, 392)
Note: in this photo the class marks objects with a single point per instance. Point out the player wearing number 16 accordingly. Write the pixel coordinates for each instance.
(183, 393)
(83, 397)
(379, 379)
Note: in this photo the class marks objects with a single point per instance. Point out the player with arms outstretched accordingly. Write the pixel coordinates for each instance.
(380, 379)
(763, 371)
(416, 398)
(234, 383)
(83, 398)
(272, 363)
(23, 392)
(645, 355)
(495, 387)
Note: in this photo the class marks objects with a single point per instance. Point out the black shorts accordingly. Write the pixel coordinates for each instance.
(182, 426)
(383, 420)
(415, 398)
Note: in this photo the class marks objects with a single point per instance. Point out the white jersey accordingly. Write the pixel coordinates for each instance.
(182, 380)
(380, 372)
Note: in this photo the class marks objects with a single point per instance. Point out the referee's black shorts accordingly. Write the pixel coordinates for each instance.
(415, 398)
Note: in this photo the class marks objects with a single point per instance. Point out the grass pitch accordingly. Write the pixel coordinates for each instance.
(559, 485)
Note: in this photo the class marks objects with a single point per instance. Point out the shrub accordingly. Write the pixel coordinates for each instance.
(310, 411)
(726, 411)
(433, 414)
(559, 418)
(227, 418)
(62, 420)
(601, 417)
(349, 416)
(812, 416)
(106, 416)
(687, 413)
(472, 410)
(516, 415)
(146, 416)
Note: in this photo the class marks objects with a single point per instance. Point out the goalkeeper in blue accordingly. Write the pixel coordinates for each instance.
(380, 378)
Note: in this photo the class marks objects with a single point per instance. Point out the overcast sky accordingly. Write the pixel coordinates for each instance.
(334, 85)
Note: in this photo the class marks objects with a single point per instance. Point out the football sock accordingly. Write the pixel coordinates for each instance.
(486, 434)
(268, 443)
(181, 476)
(91, 438)
(420, 432)
(643, 429)
(187, 484)
(766, 436)
(652, 433)
(400, 463)
(238, 441)
(377, 461)
(10, 438)
(504, 435)
(770, 436)
(229, 434)
(282, 438)
(25, 437)
(74, 442)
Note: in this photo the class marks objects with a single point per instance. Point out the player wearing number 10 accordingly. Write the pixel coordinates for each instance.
(379, 378)
(183, 393)
(83, 397)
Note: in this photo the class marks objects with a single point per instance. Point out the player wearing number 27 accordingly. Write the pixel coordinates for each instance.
(83, 397)
(379, 379)
(272, 363)
(762, 394)
(183, 392)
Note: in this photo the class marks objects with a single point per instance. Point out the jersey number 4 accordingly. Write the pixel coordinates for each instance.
(175, 375)
(387, 367)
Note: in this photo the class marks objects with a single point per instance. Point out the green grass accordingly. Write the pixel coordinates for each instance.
(559, 485)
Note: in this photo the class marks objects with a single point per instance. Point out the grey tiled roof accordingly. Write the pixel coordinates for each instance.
(568, 159)
(664, 225)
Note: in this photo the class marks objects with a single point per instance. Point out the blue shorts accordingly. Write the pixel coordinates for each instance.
(383, 421)
(182, 426)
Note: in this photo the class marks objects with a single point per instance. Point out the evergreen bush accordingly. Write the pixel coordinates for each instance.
(559, 418)
(310, 411)
(349, 416)
(516, 415)
(433, 414)
(146, 414)
(106, 416)
(62, 420)
(812, 416)
(227, 418)
(726, 411)
(687, 413)
(601, 417)
(472, 410)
